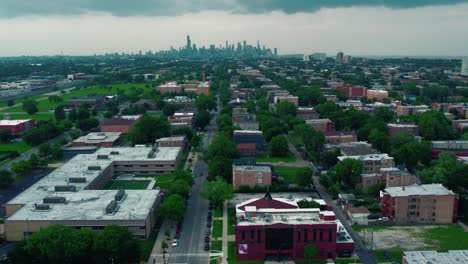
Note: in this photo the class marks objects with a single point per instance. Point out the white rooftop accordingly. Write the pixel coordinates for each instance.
(434, 257)
(169, 84)
(165, 139)
(99, 137)
(424, 189)
(13, 122)
(129, 117)
(251, 168)
(91, 205)
(374, 157)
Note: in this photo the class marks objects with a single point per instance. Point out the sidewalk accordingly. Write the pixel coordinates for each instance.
(225, 233)
(156, 252)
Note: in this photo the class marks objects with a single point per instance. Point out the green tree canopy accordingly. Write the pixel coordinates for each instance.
(433, 125)
(349, 171)
(278, 146)
(30, 106)
(217, 191)
(173, 208)
(150, 128)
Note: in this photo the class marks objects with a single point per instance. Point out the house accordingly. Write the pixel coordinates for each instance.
(358, 215)
(457, 147)
(182, 118)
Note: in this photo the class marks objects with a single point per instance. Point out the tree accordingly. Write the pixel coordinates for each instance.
(30, 106)
(433, 125)
(116, 243)
(10, 103)
(286, 108)
(202, 119)
(5, 135)
(173, 207)
(169, 109)
(379, 140)
(204, 102)
(45, 150)
(21, 168)
(278, 146)
(304, 177)
(349, 171)
(179, 187)
(311, 251)
(59, 113)
(34, 161)
(150, 128)
(220, 166)
(6, 179)
(217, 191)
(224, 123)
(164, 245)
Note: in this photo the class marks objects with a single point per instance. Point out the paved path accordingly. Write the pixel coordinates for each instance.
(157, 255)
(225, 233)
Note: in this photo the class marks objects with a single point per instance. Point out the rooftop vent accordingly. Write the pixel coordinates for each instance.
(54, 200)
(114, 153)
(102, 157)
(94, 168)
(42, 207)
(77, 179)
(151, 154)
(65, 188)
(120, 195)
(111, 207)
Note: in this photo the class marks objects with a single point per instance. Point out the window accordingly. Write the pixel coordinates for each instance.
(321, 235)
(259, 236)
(305, 235)
(314, 237)
(252, 235)
(330, 234)
(243, 235)
(298, 235)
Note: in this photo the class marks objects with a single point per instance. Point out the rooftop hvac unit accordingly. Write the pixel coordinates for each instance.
(114, 153)
(111, 207)
(120, 195)
(54, 200)
(65, 188)
(93, 168)
(102, 157)
(42, 207)
(77, 179)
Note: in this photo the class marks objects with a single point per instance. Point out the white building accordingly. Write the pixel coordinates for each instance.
(464, 67)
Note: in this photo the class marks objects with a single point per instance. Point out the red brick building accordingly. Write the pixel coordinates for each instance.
(322, 125)
(122, 124)
(18, 126)
(251, 176)
(169, 87)
(339, 137)
(352, 91)
(275, 228)
(456, 147)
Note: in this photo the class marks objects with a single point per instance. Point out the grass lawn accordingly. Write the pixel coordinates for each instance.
(288, 173)
(217, 228)
(21, 147)
(216, 246)
(218, 212)
(146, 246)
(232, 255)
(231, 220)
(447, 237)
(163, 180)
(396, 255)
(266, 158)
(310, 261)
(128, 185)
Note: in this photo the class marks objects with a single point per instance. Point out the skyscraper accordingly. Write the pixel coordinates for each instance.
(189, 43)
(339, 57)
(464, 67)
(245, 45)
(276, 51)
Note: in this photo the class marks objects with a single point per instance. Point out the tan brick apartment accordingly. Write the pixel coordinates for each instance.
(322, 125)
(251, 176)
(390, 177)
(403, 110)
(395, 128)
(427, 203)
(287, 98)
(372, 162)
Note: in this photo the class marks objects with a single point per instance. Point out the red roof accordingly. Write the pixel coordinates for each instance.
(246, 146)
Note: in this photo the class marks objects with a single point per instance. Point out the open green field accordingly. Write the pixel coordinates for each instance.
(217, 228)
(164, 180)
(21, 147)
(128, 185)
(266, 158)
(36, 117)
(45, 105)
(288, 173)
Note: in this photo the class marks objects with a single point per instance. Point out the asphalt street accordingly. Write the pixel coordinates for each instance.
(190, 248)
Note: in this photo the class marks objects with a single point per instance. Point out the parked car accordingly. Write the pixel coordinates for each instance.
(207, 247)
(208, 224)
(208, 232)
(174, 243)
(207, 239)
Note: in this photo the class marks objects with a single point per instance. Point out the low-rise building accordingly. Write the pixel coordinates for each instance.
(250, 143)
(358, 215)
(339, 137)
(379, 95)
(395, 177)
(122, 124)
(395, 128)
(434, 257)
(73, 193)
(243, 119)
(287, 98)
(92, 101)
(351, 91)
(354, 148)
(404, 110)
(275, 227)
(182, 118)
(457, 147)
(18, 126)
(427, 203)
(307, 113)
(176, 141)
(197, 87)
(100, 139)
(251, 176)
(180, 100)
(322, 125)
(372, 162)
(169, 87)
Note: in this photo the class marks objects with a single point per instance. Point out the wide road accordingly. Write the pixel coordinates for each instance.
(190, 248)
(365, 256)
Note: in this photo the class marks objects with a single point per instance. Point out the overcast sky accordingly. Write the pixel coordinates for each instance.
(359, 27)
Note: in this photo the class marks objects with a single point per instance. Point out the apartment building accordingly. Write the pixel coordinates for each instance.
(251, 176)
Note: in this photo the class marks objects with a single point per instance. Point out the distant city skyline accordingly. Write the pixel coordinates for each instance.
(388, 28)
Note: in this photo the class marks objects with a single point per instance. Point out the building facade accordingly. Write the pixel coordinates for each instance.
(251, 176)
(122, 124)
(427, 203)
(322, 125)
(18, 126)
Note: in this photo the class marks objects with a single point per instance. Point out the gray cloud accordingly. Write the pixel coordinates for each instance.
(16, 8)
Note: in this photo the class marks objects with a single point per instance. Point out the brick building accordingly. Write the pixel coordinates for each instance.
(322, 125)
(395, 128)
(100, 139)
(427, 203)
(390, 177)
(122, 124)
(92, 101)
(306, 113)
(182, 118)
(176, 141)
(287, 98)
(243, 119)
(18, 126)
(251, 176)
(403, 110)
(197, 87)
(456, 147)
(339, 137)
(352, 91)
(277, 229)
(372, 162)
(169, 87)
(250, 143)
(377, 94)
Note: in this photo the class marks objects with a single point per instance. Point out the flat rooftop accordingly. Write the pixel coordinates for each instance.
(169, 84)
(13, 122)
(367, 157)
(237, 132)
(424, 189)
(91, 205)
(90, 167)
(434, 257)
(169, 139)
(402, 125)
(251, 168)
(99, 137)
